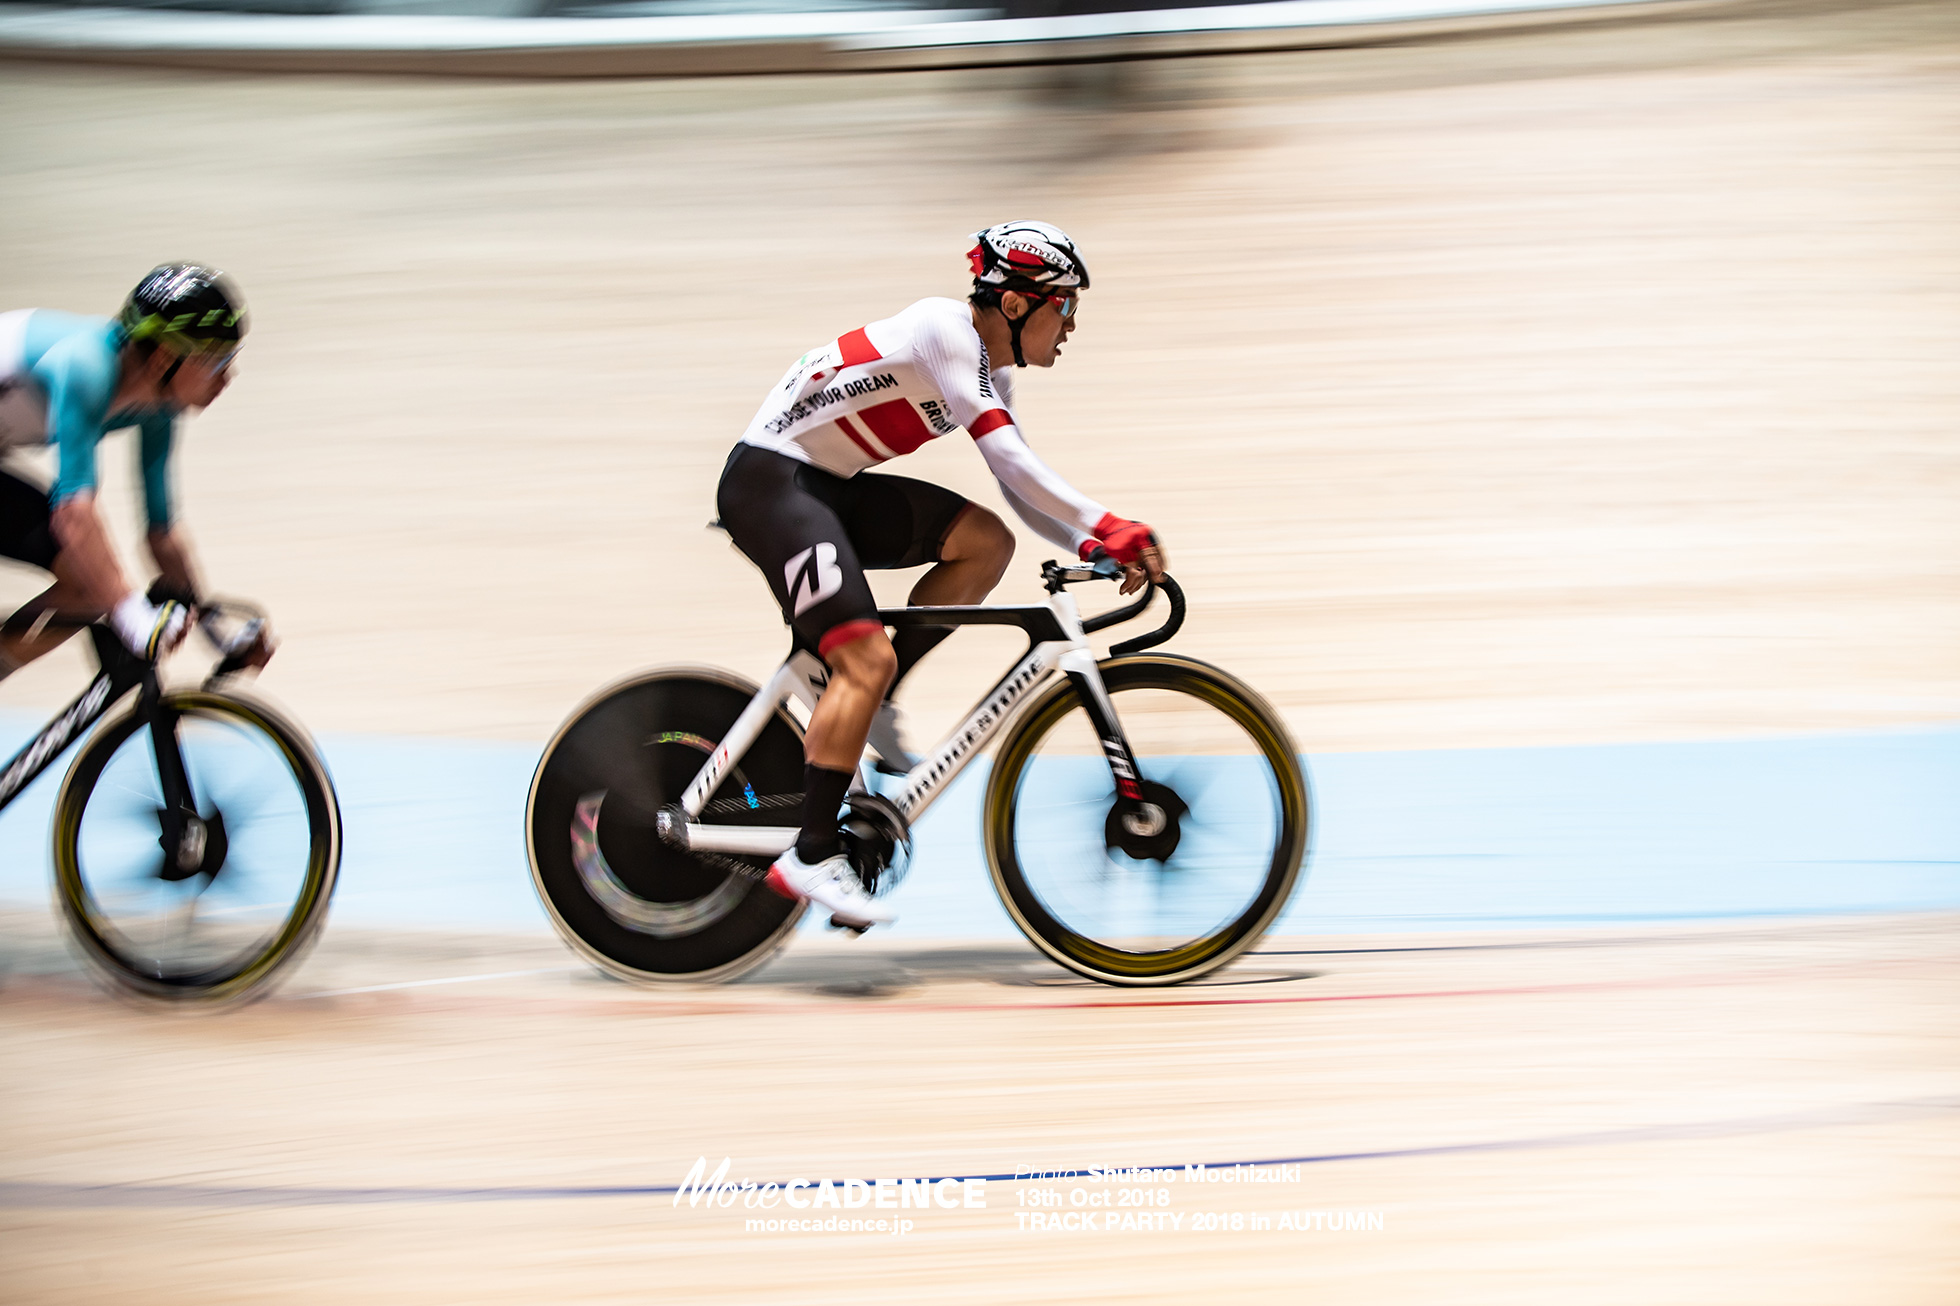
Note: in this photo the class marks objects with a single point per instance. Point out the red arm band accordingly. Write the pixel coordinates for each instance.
(991, 420)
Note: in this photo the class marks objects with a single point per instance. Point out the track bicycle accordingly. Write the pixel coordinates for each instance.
(1145, 820)
(197, 834)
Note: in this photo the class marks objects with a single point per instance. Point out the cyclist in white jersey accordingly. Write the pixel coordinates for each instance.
(67, 380)
(797, 498)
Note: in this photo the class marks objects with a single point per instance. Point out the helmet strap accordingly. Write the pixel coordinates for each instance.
(169, 375)
(995, 298)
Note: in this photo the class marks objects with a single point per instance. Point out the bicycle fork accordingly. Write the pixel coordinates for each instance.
(190, 843)
(1138, 816)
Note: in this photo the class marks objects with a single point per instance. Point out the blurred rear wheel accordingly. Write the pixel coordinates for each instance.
(621, 896)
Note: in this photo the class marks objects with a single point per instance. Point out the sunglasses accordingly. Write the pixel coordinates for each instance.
(1064, 304)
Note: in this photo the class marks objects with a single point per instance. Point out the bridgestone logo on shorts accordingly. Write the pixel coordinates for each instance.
(810, 580)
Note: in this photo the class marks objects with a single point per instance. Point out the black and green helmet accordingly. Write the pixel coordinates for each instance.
(187, 309)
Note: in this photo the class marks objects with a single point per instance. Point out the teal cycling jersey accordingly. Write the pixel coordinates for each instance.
(58, 374)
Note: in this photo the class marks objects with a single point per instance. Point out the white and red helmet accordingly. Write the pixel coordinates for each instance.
(1026, 255)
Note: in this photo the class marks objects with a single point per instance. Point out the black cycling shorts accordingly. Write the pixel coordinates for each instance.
(25, 533)
(814, 535)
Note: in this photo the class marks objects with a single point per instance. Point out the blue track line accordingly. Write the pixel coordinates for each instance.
(26, 1194)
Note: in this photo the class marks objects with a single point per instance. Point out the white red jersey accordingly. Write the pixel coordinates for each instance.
(885, 389)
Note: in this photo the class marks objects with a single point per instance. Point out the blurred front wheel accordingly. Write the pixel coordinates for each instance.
(246, 888)
(1181, 886)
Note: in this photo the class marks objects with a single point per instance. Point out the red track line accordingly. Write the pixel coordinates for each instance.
(1343, 997)
(1709, 980)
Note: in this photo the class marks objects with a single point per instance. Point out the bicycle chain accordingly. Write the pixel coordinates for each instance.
(722, 862)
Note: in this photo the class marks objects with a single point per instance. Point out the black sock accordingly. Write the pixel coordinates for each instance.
(823, 795)
(912, 643)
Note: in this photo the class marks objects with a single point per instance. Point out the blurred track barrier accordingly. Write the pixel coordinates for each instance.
(702, 44)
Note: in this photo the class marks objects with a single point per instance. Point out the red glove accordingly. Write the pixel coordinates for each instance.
(1120, 539)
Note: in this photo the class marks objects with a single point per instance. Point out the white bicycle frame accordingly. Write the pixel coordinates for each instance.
(804, 676)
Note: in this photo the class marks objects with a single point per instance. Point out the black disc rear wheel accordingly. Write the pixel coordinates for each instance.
(621, 896)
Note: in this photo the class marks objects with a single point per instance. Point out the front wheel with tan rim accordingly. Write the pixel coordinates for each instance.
(1195, 878)
(207, 904)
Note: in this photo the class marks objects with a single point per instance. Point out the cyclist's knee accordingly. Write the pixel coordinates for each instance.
(982, 537)
(862, 653)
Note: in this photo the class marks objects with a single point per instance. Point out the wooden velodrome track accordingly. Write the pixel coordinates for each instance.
(1577, 387)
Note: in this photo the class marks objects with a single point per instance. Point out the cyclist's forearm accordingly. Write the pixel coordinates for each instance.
(170, 549)
(1015, 466)
(1055, 532)
(87, 561)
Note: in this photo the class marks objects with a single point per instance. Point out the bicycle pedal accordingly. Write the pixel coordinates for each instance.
(851, 928)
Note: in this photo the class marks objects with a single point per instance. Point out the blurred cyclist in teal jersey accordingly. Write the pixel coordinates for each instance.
(67, 380)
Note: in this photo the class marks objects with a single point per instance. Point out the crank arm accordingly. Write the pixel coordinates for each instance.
(752, 840)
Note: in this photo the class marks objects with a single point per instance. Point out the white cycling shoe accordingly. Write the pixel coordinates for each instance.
(830, 884)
